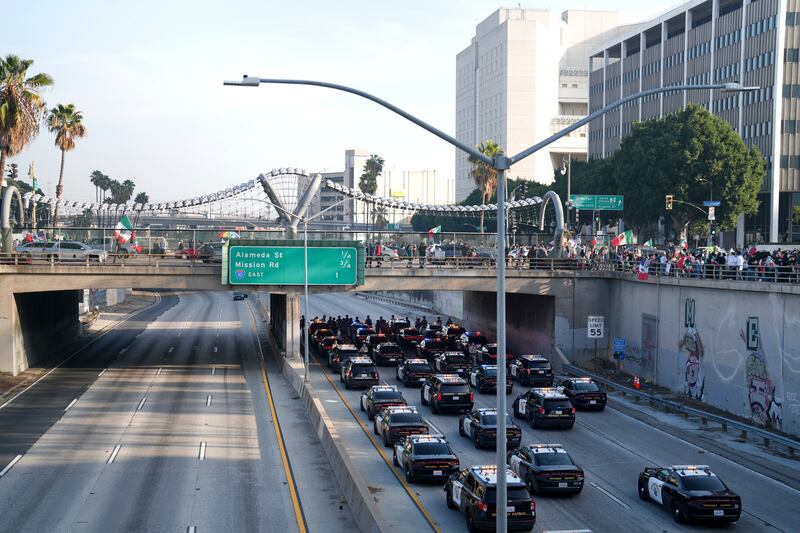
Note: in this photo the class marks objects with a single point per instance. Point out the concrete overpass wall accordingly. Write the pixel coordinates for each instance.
(445, 303)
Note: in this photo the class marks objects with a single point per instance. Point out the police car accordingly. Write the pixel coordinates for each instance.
(481, 427)
(414, 371)
(451, 362)
(473, 491)
(532, 370)
(425, 457)
(546, 468)
(690, 492)
(380, 396)
(446, 392)
(484, 378)
(393, 424)
(472, 341)
(545, 407)
(584, 393)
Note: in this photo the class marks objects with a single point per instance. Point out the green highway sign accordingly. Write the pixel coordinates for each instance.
(597, 202)
(284, 265)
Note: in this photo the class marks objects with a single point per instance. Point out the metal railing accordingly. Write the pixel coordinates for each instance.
(792, 445)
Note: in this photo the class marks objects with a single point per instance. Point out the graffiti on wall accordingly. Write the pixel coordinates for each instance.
(694, 379)
(765, 408)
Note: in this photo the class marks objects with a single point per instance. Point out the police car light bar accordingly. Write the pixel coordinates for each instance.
(546, 446)
(691, 467)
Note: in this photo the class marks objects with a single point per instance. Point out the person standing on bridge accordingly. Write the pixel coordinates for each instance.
(421, 252)
(302, 322)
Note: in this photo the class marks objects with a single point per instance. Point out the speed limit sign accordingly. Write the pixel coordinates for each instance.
(594, 327)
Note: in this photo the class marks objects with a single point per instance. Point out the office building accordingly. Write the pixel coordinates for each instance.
(754, 42)
(348, 212)
(522, 78)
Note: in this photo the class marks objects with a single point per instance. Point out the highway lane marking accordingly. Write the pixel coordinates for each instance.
(10, 465)
(101, 373)
(215, 349)
(202, 455)
(417, 502)
(106, 330)
(191, 529)
(614, 498)
(171, 349)
(287, 467)
(114, 454)
(73, 402)
(208, 401)
(122, 351)
(159, 371)
(213, 370)
(141, 404)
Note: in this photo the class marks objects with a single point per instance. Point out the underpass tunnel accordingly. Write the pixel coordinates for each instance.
(284, 321)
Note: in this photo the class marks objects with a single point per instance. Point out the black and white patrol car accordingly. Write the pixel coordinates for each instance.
(430, 348)
(393, 424)
(545, 407)
(546, 468)
(472, 341)
(425, 457)
(359, 372)
(533, 370)
(484, 378)
(473, 491)
(452, 362)
(480, 426)
(690, 492)
(584, 393)
(414, 372)
(380, 396)
(446, 392)
(387, 353)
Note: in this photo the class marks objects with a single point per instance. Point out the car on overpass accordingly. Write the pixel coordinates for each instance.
(584, 393)
(414, 372)
(425, 457)
(473, 491)
(210, 252)
(32, 250)
(378, 397)
(480, 426)
(74, 251)
(546, 468)
(689, 493)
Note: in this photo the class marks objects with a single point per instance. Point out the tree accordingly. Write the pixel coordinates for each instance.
(142, 198)
(484, 175)
(685, 154)
(13, 172)
(368, 182)
(67, 123)
(21, 106)
(96, 179)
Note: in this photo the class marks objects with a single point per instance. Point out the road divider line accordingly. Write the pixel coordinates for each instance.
(10, 465)
(202, 455)
(159, 371)
(141, 404)
(287, 467)
(73, 402)
(414, 498)
(114, 454)
(208, 401)
(213, 370)
(191, 529)
(611, 496)
(171, 349)
(105, 331)
(101, 373)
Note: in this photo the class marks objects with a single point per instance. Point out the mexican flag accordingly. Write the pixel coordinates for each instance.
(649, 243)
(684, 244)
(623, 239)
(437, 229)
(124, 230)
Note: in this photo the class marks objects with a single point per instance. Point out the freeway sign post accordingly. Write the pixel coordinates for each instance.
(284, 265)
(598, 202)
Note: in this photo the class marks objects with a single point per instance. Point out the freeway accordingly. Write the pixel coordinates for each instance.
(164, 423)
(610, 446)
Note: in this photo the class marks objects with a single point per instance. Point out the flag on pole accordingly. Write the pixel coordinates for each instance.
(649, 243)
(124, 230)
(684, 244)
(623, 239)
(437, 229)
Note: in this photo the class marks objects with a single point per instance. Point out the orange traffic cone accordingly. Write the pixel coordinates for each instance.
(636, 384)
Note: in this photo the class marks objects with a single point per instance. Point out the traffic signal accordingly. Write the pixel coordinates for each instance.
(669, 202)
(524, 189)
(713, 230)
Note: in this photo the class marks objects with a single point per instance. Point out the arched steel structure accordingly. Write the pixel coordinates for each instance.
(9, 194)
(558, 234)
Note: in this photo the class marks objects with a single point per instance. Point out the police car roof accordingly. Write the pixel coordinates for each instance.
(450, 378)
(388, 344)
(384, 387)
(416, 361)
(488, 474)
(347, 346)
(426, 438)
(400, 409)
(454, 352)
(549, 392)
(580, 380)
(361, 360)
(547, 448)
(471, 333)
(489, 367)
(533, 357)
(488, 410)
(692, 470)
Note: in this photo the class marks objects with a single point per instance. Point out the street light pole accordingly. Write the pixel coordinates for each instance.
(501, 164)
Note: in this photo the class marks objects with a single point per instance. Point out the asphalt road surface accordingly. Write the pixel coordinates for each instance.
(610, 446)
(164, 424)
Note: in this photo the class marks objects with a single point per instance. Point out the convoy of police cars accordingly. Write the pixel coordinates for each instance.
(447, 363)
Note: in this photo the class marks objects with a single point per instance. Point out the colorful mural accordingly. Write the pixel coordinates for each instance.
(694, 377)
(765, 408)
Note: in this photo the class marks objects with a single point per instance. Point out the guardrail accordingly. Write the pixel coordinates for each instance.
(768, 437)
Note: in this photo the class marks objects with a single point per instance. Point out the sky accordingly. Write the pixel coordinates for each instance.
(147, 76)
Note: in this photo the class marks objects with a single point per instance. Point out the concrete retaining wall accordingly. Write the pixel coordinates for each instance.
(445, 303)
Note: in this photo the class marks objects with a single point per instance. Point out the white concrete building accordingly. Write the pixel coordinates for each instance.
(522, 78)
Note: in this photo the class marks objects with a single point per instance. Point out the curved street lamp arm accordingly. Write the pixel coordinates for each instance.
(248, 82)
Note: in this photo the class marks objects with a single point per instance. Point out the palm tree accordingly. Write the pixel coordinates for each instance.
(128, 187)
(67, 123)
(21, 106)
(96, 179)
(141, 198)
(368, 182)
(484, 175)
